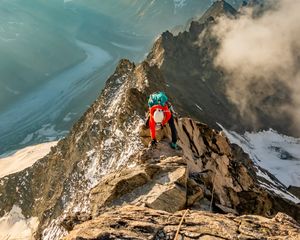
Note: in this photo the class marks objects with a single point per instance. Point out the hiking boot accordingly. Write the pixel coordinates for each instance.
(174, 146)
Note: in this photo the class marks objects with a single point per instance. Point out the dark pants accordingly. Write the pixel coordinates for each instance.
(173, 129)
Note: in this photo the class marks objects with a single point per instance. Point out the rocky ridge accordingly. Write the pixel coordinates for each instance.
(132, 222)
(100, 141)
(187, 62)
(103, 167)
(207, 174)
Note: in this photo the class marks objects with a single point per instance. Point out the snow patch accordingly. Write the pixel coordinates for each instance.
(277, 153)
(119, 133)
(108, 142)
(92, 170)
(131, 48)
(47, 131)
(282, 194)
(115, 101)
(27, 139)
(54, 231)
(267, 177)
(14, 225)
(24, 158)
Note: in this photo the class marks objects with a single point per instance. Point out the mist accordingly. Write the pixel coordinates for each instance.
(260, 55)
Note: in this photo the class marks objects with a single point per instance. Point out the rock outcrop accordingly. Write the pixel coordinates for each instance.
(160, 186)
(208, 173)
(132, 222)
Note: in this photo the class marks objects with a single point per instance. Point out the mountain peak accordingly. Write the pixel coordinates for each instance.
(217, 9)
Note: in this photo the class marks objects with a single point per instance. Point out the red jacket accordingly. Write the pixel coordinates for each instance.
(152, 123)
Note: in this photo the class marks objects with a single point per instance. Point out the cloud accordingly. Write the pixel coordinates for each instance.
(261, 58)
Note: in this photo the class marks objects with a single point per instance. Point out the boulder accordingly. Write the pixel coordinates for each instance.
(159, 183)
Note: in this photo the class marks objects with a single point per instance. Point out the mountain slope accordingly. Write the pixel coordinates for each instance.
(107, 140)
(96, 144)
(104, 163)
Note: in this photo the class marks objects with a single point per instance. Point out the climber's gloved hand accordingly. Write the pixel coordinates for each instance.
(153, 143)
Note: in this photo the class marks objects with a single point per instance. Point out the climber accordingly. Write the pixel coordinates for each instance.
(160, 113)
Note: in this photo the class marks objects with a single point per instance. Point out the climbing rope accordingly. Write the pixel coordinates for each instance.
(179, 226)
(212, 194)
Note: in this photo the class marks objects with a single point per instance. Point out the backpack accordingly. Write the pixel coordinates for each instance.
(157, 98)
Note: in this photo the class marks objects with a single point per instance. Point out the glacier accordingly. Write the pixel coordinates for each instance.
(275, 152)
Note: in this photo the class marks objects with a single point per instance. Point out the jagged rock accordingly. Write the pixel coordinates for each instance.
(131, 222)
(195, 192)
(73, 219)
(294, 190)
(226, 172)
(161, 185)
(203, 204)
(208, 174)
(116, 185)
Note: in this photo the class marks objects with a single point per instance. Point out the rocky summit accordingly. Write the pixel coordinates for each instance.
(103, 181)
